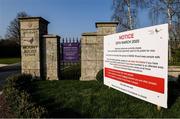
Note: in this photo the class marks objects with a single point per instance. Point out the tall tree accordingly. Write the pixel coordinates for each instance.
(1, 37)
(125, 11)
(167, 11)
(13, 30)
(164, 10)
(177, 19)
(155, 12)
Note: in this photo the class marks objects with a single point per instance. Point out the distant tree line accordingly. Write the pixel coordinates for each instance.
(10, 45)
(160, 11)
(9, 48)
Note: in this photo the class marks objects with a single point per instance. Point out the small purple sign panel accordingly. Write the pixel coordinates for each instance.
(70, 52)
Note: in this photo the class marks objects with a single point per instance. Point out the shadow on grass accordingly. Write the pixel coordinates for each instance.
(71, 72)
(46, 94)
(65, 113)
(173, 90)
(54, 108)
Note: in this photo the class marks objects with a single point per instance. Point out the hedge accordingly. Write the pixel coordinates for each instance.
(99, 75)
(17, 94)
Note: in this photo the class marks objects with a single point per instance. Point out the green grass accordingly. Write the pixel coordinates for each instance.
(71, 72)
(9, 60)
(74, 98)
(71, 98)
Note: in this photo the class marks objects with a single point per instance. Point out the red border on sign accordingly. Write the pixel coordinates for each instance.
(144, 81)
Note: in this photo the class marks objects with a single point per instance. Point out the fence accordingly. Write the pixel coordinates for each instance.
(70, 51)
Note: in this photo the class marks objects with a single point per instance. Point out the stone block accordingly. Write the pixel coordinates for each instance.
(29, 24)
(88, 52)
(105, 28)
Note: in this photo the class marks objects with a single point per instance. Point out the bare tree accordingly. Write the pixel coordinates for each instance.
(164, 10)
(176, 20)
(167, 11)
(125, 11)
(13, 30)
(155, 12)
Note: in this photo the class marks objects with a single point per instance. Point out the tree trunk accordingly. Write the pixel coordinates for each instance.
(169, 18)
(129, 15)
(170, 32)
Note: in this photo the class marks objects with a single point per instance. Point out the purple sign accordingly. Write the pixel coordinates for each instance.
(70, 52)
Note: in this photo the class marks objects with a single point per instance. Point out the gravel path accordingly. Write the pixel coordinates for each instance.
(2, 65)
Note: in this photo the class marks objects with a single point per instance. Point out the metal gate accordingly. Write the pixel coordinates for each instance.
(70, 58)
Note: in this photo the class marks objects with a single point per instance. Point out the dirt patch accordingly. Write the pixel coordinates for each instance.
(5, 111)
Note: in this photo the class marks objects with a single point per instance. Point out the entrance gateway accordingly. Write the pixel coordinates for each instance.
(40, 51)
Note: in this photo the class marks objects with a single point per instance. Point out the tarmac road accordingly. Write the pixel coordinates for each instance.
(7, 71)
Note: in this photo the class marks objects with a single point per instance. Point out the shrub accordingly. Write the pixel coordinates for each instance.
(178, 80)
(16, 93)
(100, 76)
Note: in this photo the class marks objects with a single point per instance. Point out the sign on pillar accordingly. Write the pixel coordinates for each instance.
(31, 31)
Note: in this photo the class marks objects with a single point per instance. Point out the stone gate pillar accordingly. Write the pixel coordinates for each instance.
(92, 49)
(31, 31)
(52, 57)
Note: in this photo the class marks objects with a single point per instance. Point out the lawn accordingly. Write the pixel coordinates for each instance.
(71, 72)
(72, 98)
(9, 60)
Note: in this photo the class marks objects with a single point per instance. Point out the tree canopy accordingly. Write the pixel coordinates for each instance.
(13, 30)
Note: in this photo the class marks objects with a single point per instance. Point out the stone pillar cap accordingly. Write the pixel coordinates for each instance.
(51, 36)
(106, 24)
(89, 34)
(34, 18)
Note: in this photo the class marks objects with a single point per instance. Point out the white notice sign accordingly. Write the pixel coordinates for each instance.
(136, 63)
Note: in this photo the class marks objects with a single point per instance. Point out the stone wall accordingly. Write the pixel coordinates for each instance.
(92, 49)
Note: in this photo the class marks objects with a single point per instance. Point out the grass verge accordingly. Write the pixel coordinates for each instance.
(9, 60)
(74, 98)
(69, 98)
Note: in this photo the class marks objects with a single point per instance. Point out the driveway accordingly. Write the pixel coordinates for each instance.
(8, 70)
